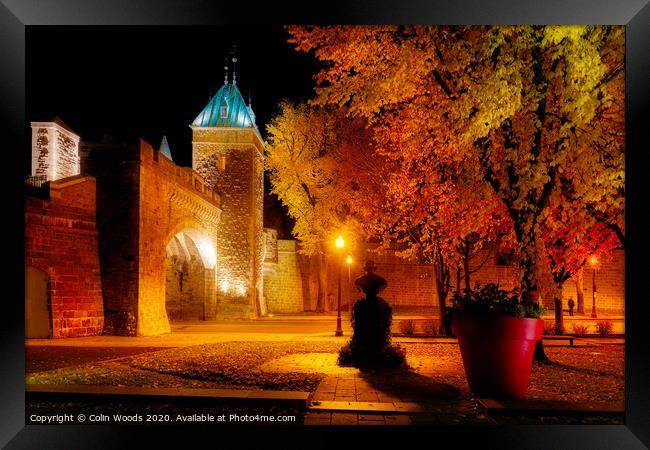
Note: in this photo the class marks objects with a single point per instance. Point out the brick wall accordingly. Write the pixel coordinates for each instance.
(411, 285)
(610, 282)
(61, 240)
(610, 286)
(172, 200)
(231, 162)
(144, 200)
(116, 169)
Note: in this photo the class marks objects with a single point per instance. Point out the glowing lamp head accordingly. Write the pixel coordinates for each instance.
(593, 260)
(349, 259)
(340, 243)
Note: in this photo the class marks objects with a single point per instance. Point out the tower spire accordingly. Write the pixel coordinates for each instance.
(233, 58)
(234, 70)
(225, 71)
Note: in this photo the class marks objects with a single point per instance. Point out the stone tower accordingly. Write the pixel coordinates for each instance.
(228, 151)
(55, 150)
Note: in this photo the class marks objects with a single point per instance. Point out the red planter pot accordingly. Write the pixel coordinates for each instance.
(497, 352)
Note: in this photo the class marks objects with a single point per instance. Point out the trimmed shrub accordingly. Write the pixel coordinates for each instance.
(580, 330)
(370, 345)
(430, 328)
(407, 327)
(549, 328)
(604, 328)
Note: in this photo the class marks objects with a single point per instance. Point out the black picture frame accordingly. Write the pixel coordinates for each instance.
(15, 15)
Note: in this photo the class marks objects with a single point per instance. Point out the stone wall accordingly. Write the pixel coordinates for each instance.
(231, 162)
(189, 286)
(144, 200)
(283, 282)
(61, 240)
(411, 286)
(116, 169)
(55, 151)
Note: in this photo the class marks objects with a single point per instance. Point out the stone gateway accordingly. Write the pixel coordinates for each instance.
(125, 240)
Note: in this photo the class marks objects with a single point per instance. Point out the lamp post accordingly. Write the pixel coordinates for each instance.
(348, 260)
(593, 261)
(340, 243)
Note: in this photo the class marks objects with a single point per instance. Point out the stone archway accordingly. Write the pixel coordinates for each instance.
(190, 276)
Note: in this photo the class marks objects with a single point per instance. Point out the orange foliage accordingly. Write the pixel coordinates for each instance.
(512, 132)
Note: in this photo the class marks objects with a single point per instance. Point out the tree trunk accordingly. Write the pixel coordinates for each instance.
(321, 302)
(559, 317)
(312, 285)
(458, 278)
(441, 278)
(531, 262)
(580, 293)
(442, 305)
(466, 265)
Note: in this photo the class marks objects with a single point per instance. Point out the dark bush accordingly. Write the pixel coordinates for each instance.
(407, 327)
(549, 328)
(604, 328)
(430, 328)
(580, 329)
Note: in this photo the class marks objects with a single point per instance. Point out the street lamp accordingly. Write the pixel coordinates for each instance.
(593, 261)
(348, 260)
(340, 243)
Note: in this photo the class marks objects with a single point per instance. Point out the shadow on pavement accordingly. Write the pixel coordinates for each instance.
(408, 385)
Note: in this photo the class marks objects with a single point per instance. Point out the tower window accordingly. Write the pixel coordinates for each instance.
(224, 109)
(222, 163)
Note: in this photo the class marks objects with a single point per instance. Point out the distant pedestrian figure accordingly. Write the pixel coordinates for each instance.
(571, 304)
(370, 283)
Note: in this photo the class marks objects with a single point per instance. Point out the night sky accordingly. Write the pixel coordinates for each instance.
(144, 82)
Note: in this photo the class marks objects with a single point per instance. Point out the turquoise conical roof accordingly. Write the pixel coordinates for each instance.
(226, 109)
(164, 148)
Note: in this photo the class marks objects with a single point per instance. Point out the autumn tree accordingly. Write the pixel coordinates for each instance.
(425, 188)
(304, 151)
(523, 106)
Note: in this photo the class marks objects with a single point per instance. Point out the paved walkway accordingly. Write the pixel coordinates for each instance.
(349, 396)
(360, 399)
(345, 396)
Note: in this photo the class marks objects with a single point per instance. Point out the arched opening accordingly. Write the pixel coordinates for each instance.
(37, 311)
(190, 277)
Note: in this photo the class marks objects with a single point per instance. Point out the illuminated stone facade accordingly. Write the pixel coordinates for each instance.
(55, 150)
(169, 242)
(231, 161)
(283, 283)
(145, 202)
